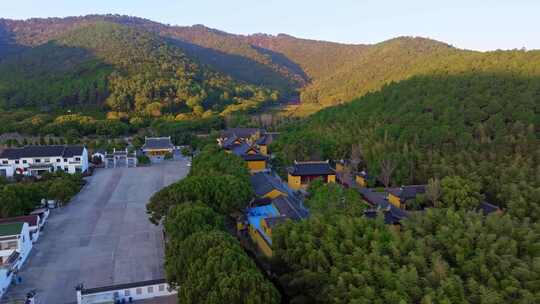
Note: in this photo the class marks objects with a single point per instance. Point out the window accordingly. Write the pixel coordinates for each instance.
(66, 169)
(58, 168)
(138, 291)
(47, 160)
(78, 170)
(8, 245)
(65, 160)
(17, 161)
(150, 289)
(37, 160)
(77, 159)
(24, 161)
(58, 160)
(161, 287)
(4, 162)
(127, 293)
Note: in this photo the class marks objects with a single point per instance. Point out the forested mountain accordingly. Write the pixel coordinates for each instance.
(483, 124)
(135, 72)
(325, 72)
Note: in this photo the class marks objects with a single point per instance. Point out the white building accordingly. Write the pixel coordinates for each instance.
(127, 293)
(34, 224)
(6, 276)
(15, 239)
(35, 160)
(15, 246)
(43, 214)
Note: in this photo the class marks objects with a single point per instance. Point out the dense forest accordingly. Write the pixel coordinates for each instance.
(202, 258)
(472, 127)
(132, 73)
(323, 73)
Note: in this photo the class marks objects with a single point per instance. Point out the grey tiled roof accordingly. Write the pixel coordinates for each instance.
(311, 168)
(264, 183)
(157, 143)
(42, 151)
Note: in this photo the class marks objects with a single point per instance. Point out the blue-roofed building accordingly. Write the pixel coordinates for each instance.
(263, 219)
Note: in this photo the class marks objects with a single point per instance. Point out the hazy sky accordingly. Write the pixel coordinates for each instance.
(472, 24)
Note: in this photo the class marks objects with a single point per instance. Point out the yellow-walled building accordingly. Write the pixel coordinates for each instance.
(267, 186)
(399, 196)
(362, 179)
(157, 147)
(302, 173)
(265, 141)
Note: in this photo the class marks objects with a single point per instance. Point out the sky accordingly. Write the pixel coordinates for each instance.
(469, 24)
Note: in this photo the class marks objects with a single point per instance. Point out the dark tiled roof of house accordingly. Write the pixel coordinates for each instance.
(241, 132)
(375, 199)
(229, 142)
(157, 143)
(42, 151)
(32, 220)
(311, 168)
(391, 215)
(72, 151)
(378, 201)
(488, 208)
(407, 192)
(11, 229)
(290, 208)
(243, 149)
(264, 183)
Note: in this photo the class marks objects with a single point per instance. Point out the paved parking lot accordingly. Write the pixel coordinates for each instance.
(103, 237)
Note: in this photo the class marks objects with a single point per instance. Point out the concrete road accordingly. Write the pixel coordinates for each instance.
(103, 237)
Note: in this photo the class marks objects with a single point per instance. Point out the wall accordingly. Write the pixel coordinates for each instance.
(69, 163)
(331, 179)
(5, 280)
(294, 182)
(394, 200)
(146, 292)
(361, 181)
(25, 244)
(260, 241)
(263, 149)
(256, 166)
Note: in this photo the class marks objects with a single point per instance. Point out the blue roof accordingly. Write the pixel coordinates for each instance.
(256, 214)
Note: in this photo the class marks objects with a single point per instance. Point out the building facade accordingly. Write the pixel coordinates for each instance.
(156, 148)
(15, 238)
(126, 293)
(36, 160)
(302, 173)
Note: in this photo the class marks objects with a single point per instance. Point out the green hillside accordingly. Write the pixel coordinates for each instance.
(477, 117)
(125, 69)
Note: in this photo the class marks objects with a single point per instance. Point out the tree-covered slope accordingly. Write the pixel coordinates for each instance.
(131, 70)
(483, 124)
(325, 73)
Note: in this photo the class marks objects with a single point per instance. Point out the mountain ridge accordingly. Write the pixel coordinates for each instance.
(322, 73)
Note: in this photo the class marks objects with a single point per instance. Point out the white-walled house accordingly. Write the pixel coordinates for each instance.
(33, 221)
(43, 214)
(6, 276)
(15, 246)
(126, 293)
(15, 242)
(35, 160)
